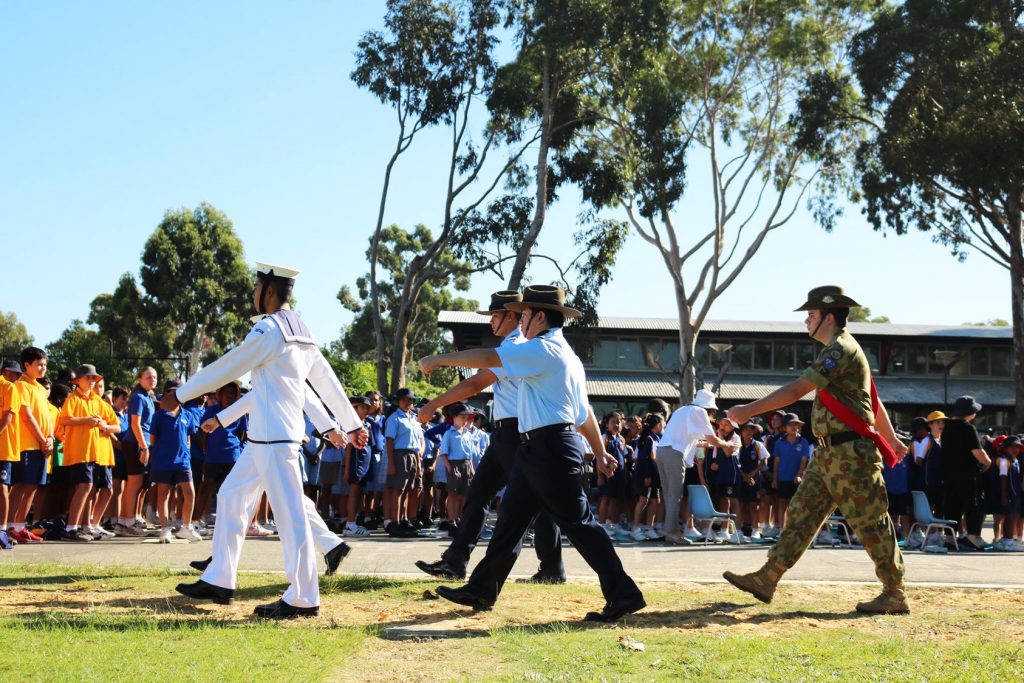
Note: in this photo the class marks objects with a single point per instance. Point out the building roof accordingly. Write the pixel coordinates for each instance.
(765, 327)
(890, 389)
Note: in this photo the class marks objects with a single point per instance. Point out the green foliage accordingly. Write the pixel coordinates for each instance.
(862, 314)
(198, 285)
(14, 335)
(944, 78)
(397, 252)
(994, 322)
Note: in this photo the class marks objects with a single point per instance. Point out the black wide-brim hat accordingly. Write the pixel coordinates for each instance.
(457, 409)
(499, 299)
(964, 406)
(360, 401)
(824, 298)
(544, 297)
(405, 392)
(12, 366)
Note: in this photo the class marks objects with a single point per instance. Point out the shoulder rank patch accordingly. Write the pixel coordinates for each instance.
(835, 354)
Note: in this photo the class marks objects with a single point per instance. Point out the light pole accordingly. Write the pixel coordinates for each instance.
(721, 349)
(948, 359)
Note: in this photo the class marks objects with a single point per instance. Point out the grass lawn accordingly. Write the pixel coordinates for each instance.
(103, 624)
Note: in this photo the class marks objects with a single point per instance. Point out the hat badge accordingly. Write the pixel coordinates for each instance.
(827, 299)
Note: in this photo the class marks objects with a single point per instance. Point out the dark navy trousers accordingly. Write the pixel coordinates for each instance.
(547, 477)
(491, 476)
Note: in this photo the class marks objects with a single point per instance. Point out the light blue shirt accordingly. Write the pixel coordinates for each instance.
(458, 446)
(483, 442)
(552, 383)
(506, 389)
(405, 429)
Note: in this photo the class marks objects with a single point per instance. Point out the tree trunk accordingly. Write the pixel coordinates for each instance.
(547, 119)
(378, 324)
(687, 347)
(1017, 303)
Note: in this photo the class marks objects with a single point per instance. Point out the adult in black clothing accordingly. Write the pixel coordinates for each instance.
(963, 461)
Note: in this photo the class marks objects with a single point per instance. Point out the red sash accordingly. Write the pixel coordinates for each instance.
(854, 422)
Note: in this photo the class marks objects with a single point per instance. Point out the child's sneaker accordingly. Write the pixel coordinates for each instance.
(653, 534)
(79, 534)
(135, 531)
(755, 535)
(149, 516)
(102, 533)
(356, 531)
(735, 539)
(270, 526)
(187, 533)
(257, 531)
(166, 534)
(692, 534)
(639, 534)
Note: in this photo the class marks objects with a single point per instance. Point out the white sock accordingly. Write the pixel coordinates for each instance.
(351, 526)
(71, 527)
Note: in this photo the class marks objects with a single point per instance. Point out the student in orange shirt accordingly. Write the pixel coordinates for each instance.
(102, 480)
(10, 450)
(88, 420)
(35, 431)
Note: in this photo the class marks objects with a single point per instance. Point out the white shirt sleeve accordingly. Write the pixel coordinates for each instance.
(699, 424)
(762, 451)
(528, 359)
(327, 387)
(257, 348)
(921, 448)
(234, 412)
(1004, 467)
(314, 408)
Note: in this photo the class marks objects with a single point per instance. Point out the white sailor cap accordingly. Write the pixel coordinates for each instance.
(271, 270)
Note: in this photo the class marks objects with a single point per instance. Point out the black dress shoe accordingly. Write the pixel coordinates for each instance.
(462, 596)
(201, 565)
(282, 610)
(613, 611)
(335, 555)
(543, 579)
(200, 590)
(442, 569)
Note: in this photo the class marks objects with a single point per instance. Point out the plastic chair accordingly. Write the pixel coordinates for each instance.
(924, 519)
(703, 509)
(836, 523)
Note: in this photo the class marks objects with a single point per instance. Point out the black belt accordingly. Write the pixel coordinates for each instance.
(507, 422)
(544, 431)
(837, 439)
(270, 443)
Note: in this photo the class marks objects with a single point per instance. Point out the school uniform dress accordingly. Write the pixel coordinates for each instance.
(405, 431)
(359, 459)
(433, 437)
(492, 475)
(615, 486)
(459, 446)
(749, 459)
(282, 356)
(725, 478)
(378, 465)
(552, 401)
(646, 468)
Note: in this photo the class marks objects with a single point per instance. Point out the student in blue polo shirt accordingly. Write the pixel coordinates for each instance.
(356, 469)
(792, 454)
(897, 488)
(378, 465)
(405, 446)
(170, 465)
(135, 446)
(459, 447)
(222, 447)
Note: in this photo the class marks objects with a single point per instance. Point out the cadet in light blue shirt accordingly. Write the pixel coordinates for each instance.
(506, 389)
(552, 403)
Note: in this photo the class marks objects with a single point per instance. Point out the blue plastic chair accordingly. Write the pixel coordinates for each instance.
(924, 519)
(703, 509)
(836, 525)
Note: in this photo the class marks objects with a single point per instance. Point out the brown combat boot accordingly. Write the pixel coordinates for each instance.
(893, 600)
(761, 584)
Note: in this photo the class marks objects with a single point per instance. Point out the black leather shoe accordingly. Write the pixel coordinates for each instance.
(442, 569)
(462, 596)
(282, 610)
(335, 555)
(200, 590)
(543, 579)
(613, 611)
(201, 565)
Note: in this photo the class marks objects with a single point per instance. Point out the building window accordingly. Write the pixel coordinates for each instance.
(917, 359)
(604, 353)
(785, 356)
(742, 355)
(762, 355)
(979, 362)
(805, 355)
(898, 359)
(669, 356)
(871, 351)
(1002, 363)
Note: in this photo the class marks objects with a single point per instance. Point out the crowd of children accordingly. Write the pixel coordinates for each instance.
(81, 462)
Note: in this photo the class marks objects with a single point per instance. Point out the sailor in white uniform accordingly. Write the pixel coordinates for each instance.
(281, 356)
(327, 543)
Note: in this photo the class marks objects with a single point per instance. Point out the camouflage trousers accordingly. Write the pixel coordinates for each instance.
(848, 476)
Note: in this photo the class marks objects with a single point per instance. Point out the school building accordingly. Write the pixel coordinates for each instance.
(632, 360)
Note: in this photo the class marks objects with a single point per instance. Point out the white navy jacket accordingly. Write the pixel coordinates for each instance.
(281, 356)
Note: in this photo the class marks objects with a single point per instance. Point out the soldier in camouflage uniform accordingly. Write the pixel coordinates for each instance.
(846, 469)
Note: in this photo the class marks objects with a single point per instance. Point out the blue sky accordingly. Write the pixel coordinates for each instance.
(115, 112)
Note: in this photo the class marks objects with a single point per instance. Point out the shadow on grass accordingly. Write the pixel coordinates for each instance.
(360, 583)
